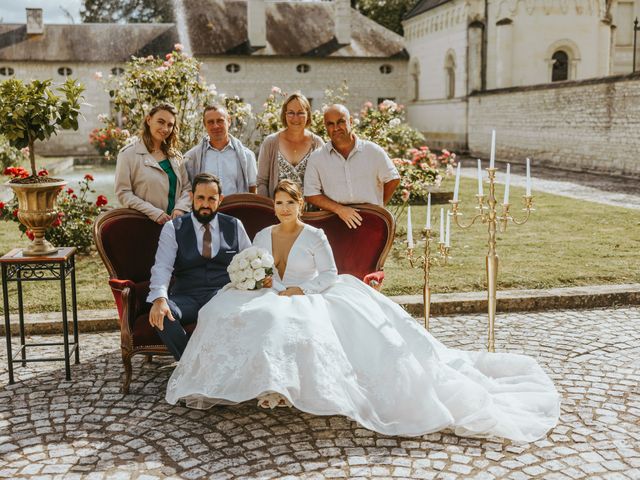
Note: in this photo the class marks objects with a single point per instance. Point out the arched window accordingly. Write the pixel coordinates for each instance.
(386, 69)
(65, 71)
(116, 71)
(6, 71)
(450, 75)
(303, 68)
(560, 67)
(233, 68)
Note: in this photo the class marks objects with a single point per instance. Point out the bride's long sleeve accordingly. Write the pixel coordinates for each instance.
(325, 265)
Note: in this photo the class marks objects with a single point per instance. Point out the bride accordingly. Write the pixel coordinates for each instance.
(330, 345)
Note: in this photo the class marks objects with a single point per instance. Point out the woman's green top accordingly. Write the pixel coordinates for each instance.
(173, 183)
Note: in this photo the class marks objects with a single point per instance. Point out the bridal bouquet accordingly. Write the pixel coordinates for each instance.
(249, 268)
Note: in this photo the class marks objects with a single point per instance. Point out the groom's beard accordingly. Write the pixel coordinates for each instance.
(203, 217)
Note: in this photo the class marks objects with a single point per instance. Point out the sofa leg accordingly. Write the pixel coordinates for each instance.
(128, 370)
(149, 358)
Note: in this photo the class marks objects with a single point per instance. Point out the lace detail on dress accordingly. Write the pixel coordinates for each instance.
(292, 172)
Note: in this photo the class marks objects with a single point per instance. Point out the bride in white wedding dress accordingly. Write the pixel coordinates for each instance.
(330, 345)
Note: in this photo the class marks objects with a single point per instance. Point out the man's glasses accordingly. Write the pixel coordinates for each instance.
(296, 114)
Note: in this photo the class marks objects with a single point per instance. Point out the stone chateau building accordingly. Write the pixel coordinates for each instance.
(246, 47)
(461, 48)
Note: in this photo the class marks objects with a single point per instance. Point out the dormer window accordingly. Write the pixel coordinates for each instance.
(303, 68)
(6, 71)
(233, 68)
(65, 71)
(386, 69)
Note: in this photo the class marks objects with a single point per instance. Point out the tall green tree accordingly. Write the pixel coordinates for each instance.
(127, 11)
(388, 13)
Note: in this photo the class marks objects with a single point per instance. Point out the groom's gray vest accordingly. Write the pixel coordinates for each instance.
(195, 275)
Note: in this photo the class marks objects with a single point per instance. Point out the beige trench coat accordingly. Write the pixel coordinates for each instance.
(141, 183)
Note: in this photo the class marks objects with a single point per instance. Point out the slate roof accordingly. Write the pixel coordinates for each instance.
(90, 42)
(423, 6)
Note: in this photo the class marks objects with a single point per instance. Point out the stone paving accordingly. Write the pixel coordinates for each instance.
(51, 428)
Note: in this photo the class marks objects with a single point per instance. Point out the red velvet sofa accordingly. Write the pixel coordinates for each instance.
(127, 242)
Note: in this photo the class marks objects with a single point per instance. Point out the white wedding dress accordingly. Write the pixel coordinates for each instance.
(345, 349)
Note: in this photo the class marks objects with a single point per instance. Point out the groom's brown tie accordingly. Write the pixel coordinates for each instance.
(206, 241)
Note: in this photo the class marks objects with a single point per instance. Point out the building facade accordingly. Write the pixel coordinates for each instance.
(246, 47)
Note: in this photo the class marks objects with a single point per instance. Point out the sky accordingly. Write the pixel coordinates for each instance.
(13, 11)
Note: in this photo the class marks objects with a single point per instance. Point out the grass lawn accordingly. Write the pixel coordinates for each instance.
(566, 242)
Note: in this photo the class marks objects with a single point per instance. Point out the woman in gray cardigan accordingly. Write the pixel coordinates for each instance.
(284, 154)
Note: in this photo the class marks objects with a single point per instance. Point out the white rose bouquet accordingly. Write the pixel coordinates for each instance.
(249, 268)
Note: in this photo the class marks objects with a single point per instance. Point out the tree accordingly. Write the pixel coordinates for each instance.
(388, 13)
(31, 111)
(127, 11)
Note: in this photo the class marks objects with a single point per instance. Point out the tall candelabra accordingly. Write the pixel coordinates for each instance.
(489, 215)
(424, 262)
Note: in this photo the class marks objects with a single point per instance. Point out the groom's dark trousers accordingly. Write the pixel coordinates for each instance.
(196, 278)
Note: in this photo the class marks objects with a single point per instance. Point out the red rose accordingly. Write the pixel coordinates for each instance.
(101, 201)
(69, 191)
(43, 173)
(74, 196)
(88, 221)
(30, 234)
(89, 177)
(15, 212)
(1, 205)
(57, 222)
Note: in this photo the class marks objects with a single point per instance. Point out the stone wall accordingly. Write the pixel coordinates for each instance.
(587, 125)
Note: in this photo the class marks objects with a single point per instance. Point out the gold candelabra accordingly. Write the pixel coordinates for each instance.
(488, 214)
(424, 262)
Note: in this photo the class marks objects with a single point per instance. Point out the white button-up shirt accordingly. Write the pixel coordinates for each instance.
(168, 249)
(225, 165)
(359, 178)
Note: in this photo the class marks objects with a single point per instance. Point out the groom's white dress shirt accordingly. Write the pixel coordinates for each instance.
(168, 249)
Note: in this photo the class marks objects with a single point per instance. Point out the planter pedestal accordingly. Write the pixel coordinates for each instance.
(36, 212)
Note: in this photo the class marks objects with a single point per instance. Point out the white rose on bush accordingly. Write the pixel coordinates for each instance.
(249, 268)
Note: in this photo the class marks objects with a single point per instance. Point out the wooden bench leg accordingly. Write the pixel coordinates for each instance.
(128, 370)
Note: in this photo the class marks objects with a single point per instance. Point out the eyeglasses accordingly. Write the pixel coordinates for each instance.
(297, 114)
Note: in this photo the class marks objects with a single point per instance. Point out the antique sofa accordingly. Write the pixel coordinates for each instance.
(127, 241)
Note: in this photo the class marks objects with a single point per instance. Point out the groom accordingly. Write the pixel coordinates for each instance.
(196, 248)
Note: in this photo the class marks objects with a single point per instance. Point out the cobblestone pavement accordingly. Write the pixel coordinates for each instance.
(51, 428)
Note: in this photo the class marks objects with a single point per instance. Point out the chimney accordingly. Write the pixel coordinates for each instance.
(257, 23)
(35, 25)
(342, 12)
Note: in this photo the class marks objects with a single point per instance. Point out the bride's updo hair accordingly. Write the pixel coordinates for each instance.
(290, 188)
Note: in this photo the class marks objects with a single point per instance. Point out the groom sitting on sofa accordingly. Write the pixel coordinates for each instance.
(196, 248)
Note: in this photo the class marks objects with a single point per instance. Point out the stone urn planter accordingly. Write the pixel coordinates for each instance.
(36, 202)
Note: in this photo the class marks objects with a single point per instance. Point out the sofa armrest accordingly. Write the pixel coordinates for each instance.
(130, 297)
(374, 280)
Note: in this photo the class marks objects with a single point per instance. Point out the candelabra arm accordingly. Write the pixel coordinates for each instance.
(456, 214)
(528, 208)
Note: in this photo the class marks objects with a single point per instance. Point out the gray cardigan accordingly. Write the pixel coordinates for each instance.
(268, 163)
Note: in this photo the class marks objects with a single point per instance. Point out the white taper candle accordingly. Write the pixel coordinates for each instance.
(409, 229)
(442, 225)
(448, 240)
(480, 191)
(528, 193)
(456, 189)
(492, 159)
(506, 184)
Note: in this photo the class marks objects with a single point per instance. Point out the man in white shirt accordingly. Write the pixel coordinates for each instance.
(196, 249)
(222, 154)
(348, 170)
